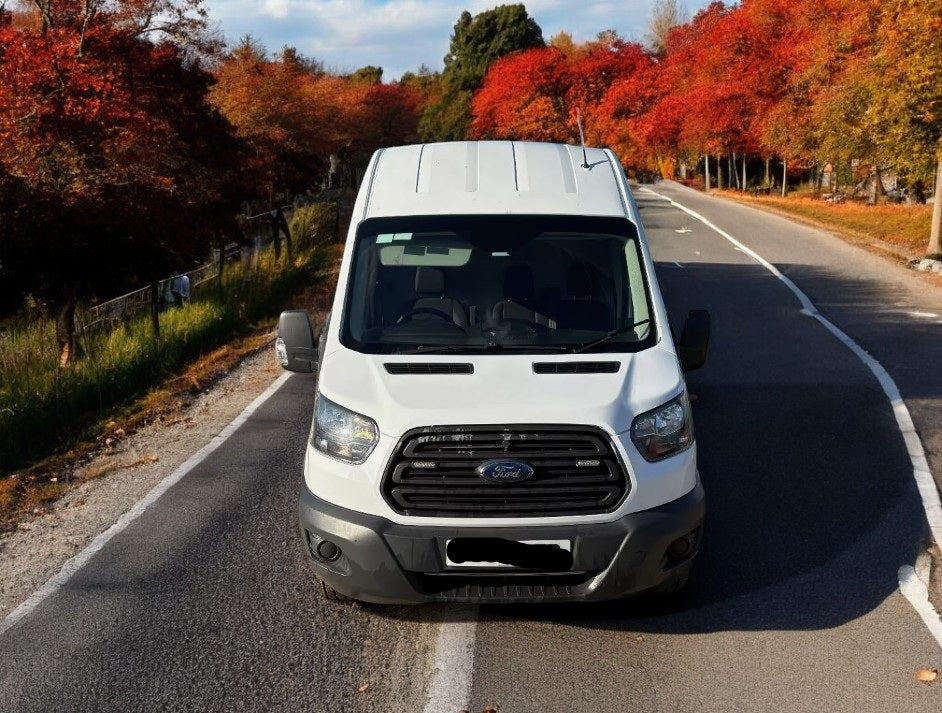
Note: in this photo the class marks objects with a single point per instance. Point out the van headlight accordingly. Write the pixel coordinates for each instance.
(664, 431)
(341, 433)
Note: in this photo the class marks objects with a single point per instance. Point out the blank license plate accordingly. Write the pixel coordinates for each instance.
(495, 552)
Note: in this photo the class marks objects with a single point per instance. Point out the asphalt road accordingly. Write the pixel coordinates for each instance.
(205, 603)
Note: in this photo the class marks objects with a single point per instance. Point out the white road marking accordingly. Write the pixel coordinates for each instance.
(915, 590)
(56, 581)
(928, 491)
(683, 231)
(453, 656)
(924, 315)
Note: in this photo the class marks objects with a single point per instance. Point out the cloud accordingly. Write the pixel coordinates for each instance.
(399, 35)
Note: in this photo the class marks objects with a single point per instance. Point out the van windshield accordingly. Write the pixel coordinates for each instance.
(497, 284)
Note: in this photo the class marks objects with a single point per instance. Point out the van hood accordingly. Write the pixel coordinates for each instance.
(503, 389)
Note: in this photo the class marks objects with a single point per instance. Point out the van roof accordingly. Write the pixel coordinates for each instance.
(493, 177)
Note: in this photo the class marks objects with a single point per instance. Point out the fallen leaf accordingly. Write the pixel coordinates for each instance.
(490, 709)
(151, 458)
(363, 688)
(927, 675)
(639, 638)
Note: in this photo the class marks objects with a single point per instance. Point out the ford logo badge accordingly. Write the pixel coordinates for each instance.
(505, 471)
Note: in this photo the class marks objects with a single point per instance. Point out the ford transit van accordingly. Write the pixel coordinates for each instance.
(501, 412)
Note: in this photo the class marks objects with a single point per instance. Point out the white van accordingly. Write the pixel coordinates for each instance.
(501, 412)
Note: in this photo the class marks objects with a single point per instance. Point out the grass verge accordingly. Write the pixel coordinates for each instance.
(46, 410)
(903, 229)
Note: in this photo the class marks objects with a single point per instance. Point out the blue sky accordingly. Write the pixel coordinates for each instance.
(399, 35)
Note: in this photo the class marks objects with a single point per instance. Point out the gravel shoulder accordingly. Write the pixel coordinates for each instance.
(120, 475)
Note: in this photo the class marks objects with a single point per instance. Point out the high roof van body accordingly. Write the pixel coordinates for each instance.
(501, 411)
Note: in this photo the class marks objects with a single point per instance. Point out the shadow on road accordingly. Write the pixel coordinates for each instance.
(812, 506)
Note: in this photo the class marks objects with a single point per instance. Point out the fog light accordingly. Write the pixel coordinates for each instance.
(682, 546)
(328, 551)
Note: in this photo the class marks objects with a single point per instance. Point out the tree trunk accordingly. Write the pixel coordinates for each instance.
(220, 264)
(733, 173)
(706, 170)
(65, 331)
(935, 236)
(784, 176)
(283, 225)
(744, 184)
(683, 170)
(879, 192)
(768, 171)
(155, 309)
(275, 234)
(719, 173)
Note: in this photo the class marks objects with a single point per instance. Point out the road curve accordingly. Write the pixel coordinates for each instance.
(205, 602)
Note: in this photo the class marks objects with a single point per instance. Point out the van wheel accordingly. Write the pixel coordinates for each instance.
(332, 595)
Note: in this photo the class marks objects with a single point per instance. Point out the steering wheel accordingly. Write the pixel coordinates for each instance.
(424, 310)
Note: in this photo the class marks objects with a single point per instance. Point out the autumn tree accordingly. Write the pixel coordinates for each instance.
(118, 167)
(279, 108)
(908, 102)
(523, 98)
(535, 95)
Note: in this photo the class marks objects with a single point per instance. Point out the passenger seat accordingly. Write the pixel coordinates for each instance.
(518, 302)
(581, 307)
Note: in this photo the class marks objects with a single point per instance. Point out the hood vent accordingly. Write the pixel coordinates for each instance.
(428, 368)
(576, 367)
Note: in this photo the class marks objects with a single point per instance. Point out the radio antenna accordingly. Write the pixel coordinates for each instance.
(585, 157)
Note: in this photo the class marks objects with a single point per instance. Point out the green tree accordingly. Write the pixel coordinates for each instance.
(368, 75)
(477, 41)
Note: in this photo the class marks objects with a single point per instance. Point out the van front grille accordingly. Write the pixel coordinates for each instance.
(576, 471)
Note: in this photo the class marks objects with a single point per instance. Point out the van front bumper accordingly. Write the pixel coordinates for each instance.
(383, 562)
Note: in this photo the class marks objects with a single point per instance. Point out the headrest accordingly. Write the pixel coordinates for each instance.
(429, 281)
(580, 281)
(518, 283)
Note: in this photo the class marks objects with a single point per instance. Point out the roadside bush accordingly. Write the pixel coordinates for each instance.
(44, 408)
(314, 224)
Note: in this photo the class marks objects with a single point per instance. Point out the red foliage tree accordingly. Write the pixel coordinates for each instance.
(121, 169)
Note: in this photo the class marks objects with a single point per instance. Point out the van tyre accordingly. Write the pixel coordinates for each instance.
(332, 595)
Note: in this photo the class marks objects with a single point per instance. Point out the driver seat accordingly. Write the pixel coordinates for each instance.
(430, 284)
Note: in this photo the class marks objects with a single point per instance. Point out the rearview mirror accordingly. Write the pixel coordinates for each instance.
(695, 339)
(294, 346)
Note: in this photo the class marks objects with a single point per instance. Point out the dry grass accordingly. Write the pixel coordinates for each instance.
(905, 228)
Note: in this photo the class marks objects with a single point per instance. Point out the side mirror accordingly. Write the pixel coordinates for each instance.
(294, 346)
(695, 339)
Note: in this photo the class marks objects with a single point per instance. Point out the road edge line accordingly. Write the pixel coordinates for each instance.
(917, 593)
(75, 563)
(925, 484)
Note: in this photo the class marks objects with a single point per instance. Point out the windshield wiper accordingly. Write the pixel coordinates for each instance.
(431, 348)
(614, 334)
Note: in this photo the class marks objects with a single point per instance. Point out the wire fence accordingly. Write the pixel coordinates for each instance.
(178, 288)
